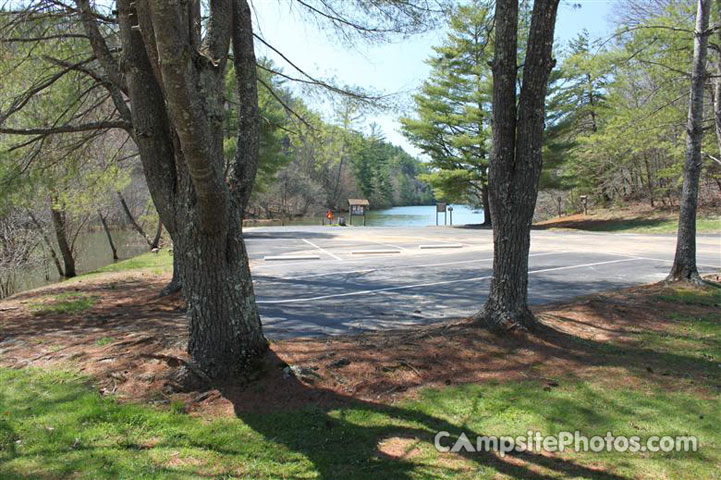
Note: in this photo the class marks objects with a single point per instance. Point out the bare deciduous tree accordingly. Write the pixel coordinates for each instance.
(18, 241)
(684, 263)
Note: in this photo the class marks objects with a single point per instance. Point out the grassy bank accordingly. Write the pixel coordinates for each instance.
(157, 263)
(634, 220)
(656, 374)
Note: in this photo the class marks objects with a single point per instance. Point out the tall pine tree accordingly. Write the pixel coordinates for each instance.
(452, 122)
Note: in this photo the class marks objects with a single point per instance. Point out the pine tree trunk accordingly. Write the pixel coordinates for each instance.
(684, 263)
(717, 96)
(226, 337)
(516, 159)
(63, 244)
(176, 282)
(132, 220)
(486, 206)
(158, 233)
(176, 87)
(649, 182)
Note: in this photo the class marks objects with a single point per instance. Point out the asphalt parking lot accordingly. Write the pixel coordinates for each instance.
(329, 280)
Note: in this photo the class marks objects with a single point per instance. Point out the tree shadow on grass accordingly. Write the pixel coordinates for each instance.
(341, 437)
(341, 442)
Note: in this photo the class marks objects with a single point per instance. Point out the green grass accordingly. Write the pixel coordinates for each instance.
(54, 425)
(708, 297)
(710, 224)
(102, 341)
(64, 304)
(703, 225)
(697, 336)
(160, 262)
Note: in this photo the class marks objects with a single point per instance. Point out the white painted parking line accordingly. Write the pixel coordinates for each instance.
(366, 240)
(290, 257)
(322, 250)
(425, 265)
(432, 284)
(388, 245)
(373, 252)
(441, 245)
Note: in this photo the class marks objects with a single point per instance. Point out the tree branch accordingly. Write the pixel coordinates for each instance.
(104, 125)
(99, 45)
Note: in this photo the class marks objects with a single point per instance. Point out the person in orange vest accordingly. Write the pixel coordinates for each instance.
(329, 216)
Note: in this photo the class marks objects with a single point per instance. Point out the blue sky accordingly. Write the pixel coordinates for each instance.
(394, 67)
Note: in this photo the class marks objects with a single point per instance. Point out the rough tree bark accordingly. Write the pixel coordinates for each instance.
(176, 283)
(684, 263)
(158, 233)
(134, 223)
(516, 158)
(66, 252)
(176, 88)
(109, 235)
(172, 68)
(486, 206)
(112, 79)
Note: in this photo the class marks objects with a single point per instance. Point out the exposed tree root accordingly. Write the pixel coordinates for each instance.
(691, 278)
(502, 320)
(174, 286)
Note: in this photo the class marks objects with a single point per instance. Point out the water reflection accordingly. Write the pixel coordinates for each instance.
(412, 216)
(93, 252)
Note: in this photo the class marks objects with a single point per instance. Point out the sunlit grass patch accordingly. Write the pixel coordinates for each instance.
(708, 224)
(159, 262)
(102, 341)
(635, 223)
(693, 296)
(64, 304)
(703, 225)
(54, 425)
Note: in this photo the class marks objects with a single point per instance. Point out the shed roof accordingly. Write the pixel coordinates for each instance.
(358, 201)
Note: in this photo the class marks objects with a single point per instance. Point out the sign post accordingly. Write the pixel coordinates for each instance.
(584, 201)
(450, 212)
(441, 208)
(357, 206)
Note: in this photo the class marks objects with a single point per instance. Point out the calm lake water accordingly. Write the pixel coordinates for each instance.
(413, 216)
(93, 252)
(420, 216)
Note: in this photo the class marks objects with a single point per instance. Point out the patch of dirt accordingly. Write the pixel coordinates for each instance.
(399, 447)
(133, 342)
